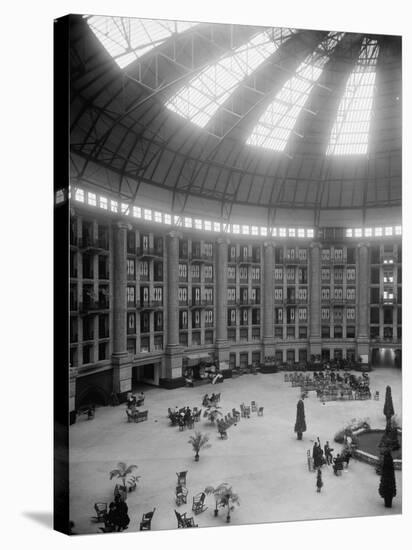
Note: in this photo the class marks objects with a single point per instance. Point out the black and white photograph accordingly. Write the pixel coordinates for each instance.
(235, 273)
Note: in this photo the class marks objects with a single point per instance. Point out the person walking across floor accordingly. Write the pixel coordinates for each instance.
(319, 482)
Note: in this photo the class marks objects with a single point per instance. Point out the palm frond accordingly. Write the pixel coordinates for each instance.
(130, 469)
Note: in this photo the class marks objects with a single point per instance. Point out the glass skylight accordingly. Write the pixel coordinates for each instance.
(277, 122)
(126, 39)
(199, 100)
(351, 130)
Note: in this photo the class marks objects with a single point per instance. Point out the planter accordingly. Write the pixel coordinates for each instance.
(374, 458)
(388, 502)
(196, 458)
(299, 435)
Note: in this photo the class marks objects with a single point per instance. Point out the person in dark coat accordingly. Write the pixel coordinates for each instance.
(122, 519)
(337, 464)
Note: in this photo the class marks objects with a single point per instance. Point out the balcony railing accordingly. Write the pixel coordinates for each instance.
(249, 259)
(93, 306)
(295, 261)
(388, 301)
(200, 303)
(150, 304)
(149, 252)
(94, 244)
(200, 257)
(338, 261)
(248, 303)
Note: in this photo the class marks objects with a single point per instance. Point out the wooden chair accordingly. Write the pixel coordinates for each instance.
(247, 412)
(146, 523)
(253, 406)
(198, 505)
(376, 396)
(181, 495)
(141, 416)
(196, 416)
(130, 417)
(183, 521)
(242, 411)
(101, 511)
(260, 411)
(182, 425)
(217, 398)
(190, 422)
(181, 478)
(222, 432)
(236, 415)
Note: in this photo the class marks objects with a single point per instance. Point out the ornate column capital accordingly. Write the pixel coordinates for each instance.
(122, 224)
(222, 240)
(173, 234)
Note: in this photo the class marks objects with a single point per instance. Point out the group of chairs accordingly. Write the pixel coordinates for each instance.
(211, 400)
(198, 503)
(132, 412)
(184, 417)
(343, 394)
(102, 512)
(234, 417)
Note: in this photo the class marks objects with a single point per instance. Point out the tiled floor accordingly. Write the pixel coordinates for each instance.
(261, 459)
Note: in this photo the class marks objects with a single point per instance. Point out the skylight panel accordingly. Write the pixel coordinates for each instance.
(126, 39)
(277, 122)
(350, 132)
(199, 100)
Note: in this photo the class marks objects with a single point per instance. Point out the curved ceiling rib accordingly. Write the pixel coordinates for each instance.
(121, 121)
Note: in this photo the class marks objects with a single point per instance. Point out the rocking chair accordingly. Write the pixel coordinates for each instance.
(198, 505)
(181, 478)
(181, 495)
(183, 521)
(146, 523)
(101, 511)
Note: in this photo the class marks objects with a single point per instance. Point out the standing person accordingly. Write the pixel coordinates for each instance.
(122, 518)
(319, 482)
(328, 453)
(337, 463)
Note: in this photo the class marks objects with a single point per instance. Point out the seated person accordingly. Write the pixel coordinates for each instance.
(217, 378)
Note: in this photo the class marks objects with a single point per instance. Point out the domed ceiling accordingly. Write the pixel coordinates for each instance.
(240, 122)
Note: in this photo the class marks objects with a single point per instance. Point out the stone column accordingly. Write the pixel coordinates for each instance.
(268, 315)
(72, 394)
(173, 355)
(315, 342)
(222, 344)
(362, 299)
(122, 368)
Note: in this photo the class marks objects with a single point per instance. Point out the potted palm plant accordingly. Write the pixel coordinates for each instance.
(224, 498)
(123, 472)
(199, 441)
(211, 413)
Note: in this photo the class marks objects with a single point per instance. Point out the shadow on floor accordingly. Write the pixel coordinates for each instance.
(42, 518)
